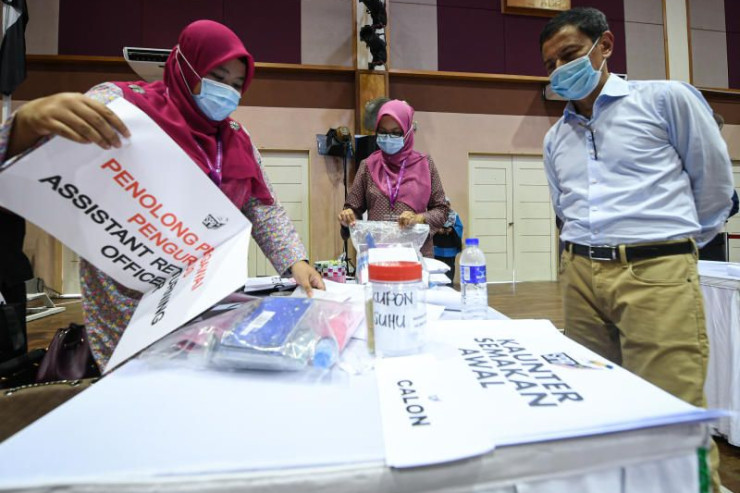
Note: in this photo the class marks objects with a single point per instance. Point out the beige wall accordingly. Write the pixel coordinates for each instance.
(296, 129)
(450, 137)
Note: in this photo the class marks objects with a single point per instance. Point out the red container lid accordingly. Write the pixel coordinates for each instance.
(395, 271)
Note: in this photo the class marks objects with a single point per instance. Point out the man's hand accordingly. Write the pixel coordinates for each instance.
(307, 277)
(408, 219)
(73, 116)
(347, 217)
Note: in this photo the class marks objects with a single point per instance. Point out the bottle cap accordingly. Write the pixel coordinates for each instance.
(325, 353)
(395, 271)
(471, 242)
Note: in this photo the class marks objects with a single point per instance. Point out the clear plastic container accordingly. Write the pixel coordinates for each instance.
(473, 281)
(399, 317)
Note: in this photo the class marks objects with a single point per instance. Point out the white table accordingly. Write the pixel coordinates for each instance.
(180, 430)
(722, 306)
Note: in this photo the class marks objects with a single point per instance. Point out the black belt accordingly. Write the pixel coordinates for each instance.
(636, 252)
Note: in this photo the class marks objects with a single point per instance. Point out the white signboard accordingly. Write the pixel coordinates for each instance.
(509, 382)
(141, 213)
(540, 385)
(430, 413)
(144, 214)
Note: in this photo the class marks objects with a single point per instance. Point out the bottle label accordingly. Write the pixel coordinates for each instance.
(398, 319)
(473, 274)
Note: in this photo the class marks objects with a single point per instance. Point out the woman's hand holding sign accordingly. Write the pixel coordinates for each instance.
(71, 115)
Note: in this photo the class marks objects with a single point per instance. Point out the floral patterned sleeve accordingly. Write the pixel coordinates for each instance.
(437, 209)
(273, 230)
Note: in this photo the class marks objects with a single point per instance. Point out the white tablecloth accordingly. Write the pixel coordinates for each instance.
(721, 292)
(181, 430)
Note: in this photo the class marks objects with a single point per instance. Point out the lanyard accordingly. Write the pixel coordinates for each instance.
(214, 173)
(393, 194)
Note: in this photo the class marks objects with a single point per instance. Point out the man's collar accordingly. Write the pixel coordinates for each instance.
(615, 87)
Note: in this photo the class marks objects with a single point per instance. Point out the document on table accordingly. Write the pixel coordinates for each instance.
(336, 291)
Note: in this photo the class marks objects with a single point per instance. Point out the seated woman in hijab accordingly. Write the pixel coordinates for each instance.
(397, 182)
(204, 78)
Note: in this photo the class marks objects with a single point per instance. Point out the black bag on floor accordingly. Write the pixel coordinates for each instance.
(17, 367)
(69, 356)
(21, 370)
(12, 331)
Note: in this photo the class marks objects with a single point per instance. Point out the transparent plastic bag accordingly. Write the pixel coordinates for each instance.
(367, 235)
(387, 232)
(272, 333)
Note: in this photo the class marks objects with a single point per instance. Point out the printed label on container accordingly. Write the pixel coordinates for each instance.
(473, 273)
(399, 319)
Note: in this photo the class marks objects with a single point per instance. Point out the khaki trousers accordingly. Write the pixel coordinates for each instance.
(645, 315)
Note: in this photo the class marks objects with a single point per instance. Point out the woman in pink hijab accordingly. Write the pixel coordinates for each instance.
(205, 77)
(397, 182)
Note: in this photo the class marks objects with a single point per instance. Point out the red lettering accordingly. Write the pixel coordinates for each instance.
(148, 230)
(123, 178)
(112, 165)
(138, 219)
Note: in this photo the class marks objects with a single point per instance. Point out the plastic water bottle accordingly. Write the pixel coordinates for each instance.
(473, 281)
(325, 353)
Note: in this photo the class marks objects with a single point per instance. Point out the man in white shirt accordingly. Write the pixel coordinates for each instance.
(639, 175)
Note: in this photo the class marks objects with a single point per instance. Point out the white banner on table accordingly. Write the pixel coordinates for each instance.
(540, 385)
(430, 412)
(141, 213)
(144, 214)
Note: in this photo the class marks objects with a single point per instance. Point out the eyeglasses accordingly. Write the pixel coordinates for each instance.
(398, 133)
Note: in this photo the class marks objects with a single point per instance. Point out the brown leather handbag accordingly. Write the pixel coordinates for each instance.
(68, 357)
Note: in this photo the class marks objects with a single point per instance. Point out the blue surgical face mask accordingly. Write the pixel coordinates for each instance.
(576, 79)
(216, 100)
(390, 144)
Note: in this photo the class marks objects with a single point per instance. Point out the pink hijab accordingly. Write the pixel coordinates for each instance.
(416, 185)
(206, 45)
